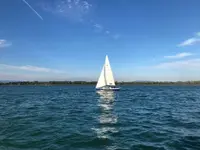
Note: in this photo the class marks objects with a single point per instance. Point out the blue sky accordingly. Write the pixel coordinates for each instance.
(68, 39)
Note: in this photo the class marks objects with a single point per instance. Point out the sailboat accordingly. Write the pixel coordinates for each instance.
(106, 80)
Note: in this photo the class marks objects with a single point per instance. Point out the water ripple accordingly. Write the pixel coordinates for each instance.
(78, 117)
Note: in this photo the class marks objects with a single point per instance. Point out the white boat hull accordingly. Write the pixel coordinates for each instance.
(108, 89)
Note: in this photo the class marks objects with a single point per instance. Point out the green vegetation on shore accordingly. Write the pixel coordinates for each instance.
(47, 83)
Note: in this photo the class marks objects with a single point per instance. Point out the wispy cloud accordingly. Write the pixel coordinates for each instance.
(198, 33)
(32, 9)
(4, 43)
(182, 64)
(107, 32)
(191, 41)
(98, 27)
(78, 11)
(30, 68)
(179, 55)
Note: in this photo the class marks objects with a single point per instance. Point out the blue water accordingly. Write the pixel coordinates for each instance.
(77, 117)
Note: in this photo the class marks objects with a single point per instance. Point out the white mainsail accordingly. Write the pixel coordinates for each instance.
(108, 73)
(106, 76)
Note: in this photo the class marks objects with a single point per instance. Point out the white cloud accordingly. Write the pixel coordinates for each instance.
(76, 10)
(189, 42)
(30, 68)
(107, 32)
(179, 70)
(198, 33)
(98, 27)
(182, 64)
(14, 76)
(4, 43)
(179, 55)
(86, 5)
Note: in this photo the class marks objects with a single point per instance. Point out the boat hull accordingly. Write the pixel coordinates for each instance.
(108, 89)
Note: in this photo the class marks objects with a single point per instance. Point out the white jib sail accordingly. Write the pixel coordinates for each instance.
(101, 82)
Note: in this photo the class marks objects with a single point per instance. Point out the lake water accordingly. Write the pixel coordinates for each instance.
(77, 117)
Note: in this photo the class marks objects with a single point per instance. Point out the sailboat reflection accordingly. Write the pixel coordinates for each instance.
(106, 100)
(107, 119)
(106, 95)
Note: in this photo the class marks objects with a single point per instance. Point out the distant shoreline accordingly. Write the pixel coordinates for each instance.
(51, 83)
